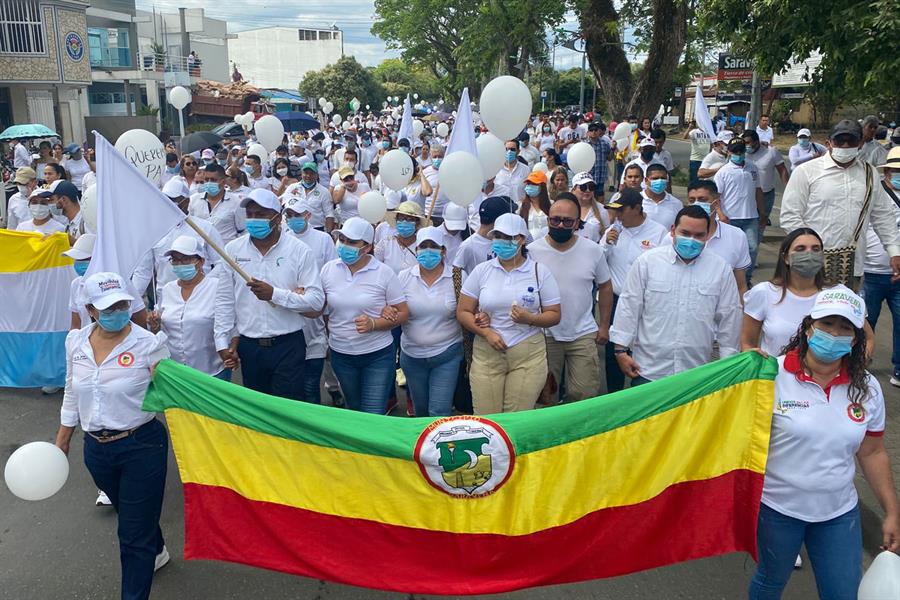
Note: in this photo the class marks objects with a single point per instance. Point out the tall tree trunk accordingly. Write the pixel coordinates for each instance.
(606, 55)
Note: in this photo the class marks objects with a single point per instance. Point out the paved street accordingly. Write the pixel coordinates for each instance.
(66, 548)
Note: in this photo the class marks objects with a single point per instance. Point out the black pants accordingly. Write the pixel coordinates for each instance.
(615, 378)
(275, 369)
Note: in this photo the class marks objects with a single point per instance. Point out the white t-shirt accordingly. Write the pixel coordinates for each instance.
(737, 190)
(432, 326)
(51, 226)
(713, 160)
(349, 204)
(699, 144)
(576, 270)
(731, 245)
(765, 135)
(397, 257)
(546, 141)
(765, 160)
(632, 242)
(473, 251)
(77, 169)
(664, 211)
(568, 134)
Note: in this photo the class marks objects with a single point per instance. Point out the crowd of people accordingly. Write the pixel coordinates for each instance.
(550, 287)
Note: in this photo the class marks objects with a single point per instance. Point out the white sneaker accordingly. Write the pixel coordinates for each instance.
(50, 389)
(798, 563)
(103, 499)
(895, 381)
(162, 559)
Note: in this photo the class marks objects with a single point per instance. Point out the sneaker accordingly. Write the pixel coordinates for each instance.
(162, 559)
(798, 563)
(401, 378)
(50, 389)
(102, 499)
(895, 380)
(391, 405)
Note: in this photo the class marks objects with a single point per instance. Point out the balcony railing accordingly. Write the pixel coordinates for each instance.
(166, 63)
(110, 57)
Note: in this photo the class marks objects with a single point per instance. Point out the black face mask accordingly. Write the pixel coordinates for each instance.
(647, 154)
(560, 235)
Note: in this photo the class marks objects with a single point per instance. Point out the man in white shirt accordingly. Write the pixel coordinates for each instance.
(513, 173)
(17, 209)
(647, 151)
(805, 149)
(255, 177)
(767, 161)
(217, 205)
(476, 249)
(568, 135)
(431, 174)
(76, 165)
(872, 151)
(261, 321)
(766, 134)
(662, 156)
(309, 188)
(660, 205)
(578, 265)
(65, 204)
(350, 159)
(678, 300)
(827, 194)
(741, 197)
(41, 219)
(717, 157)
(700, 147)
(21, 154)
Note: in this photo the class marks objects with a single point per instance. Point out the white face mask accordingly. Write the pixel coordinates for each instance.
(39, 211)
(844, 155)
(281, 172)
(23, 189)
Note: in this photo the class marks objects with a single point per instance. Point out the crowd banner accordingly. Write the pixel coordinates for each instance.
(653, 475)
(34, 292)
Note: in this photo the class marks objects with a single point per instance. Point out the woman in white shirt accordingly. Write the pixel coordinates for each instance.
(398, 251)
(108, 368)
(518, 297)
(357, 288)
(558, 182)
(187, 309)
(546, 139)
(189, 169)
(536, 205)
(431, 347)
(347, 194)
(236, 182)
(41, 219)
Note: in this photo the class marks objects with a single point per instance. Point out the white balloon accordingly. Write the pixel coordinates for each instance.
(238, 119)
(418, 127)
(623, 130)
(443, 129)
(581, 157)
(396, 98)
(415, 96)
(144, 151)
(36, 471)
(396, 169)
(179, 97)
(461, 177)
(389, 121)
(370, 124)
(542, 167)
(249, 118)
(89, 207)
(367, 107)
(258, 150)
(322, 101)
(491, 154)
(505, 106)
(454, 114)
(882, 579)
(269, 132)
(372, 207)
(328, 108)
(336, 119)
(347, 125)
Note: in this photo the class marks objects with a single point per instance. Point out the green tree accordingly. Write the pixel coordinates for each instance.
(399, 78)
(341, 82)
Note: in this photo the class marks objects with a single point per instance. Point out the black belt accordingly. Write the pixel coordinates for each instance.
(268, 342)
(105, 436)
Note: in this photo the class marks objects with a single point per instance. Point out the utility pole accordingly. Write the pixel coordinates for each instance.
(755, 101)
(185, 39)
(581, 95)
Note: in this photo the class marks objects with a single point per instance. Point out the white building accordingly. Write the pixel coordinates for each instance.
(279, 57)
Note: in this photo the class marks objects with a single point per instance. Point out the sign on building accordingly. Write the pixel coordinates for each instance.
(734, 68)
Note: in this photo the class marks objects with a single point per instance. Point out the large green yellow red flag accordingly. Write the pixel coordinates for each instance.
(665, 472)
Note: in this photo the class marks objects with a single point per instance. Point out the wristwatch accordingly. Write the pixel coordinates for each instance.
(622, 351)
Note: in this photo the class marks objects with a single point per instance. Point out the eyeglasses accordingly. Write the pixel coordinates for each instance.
(587, 187)
(564, 221)
(190, 164)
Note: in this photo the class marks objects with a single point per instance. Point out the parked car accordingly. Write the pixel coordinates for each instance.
(230, 130)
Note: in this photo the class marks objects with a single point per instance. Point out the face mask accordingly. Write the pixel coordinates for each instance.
(385, 144)
(647, 154)
(366, 143)
(259, 228)
(705, 206)
(55, 210)
(297, 224)
(807, 264)
(212, 188)
(247, 169)
(829, 348)
(406, 228)
(737, 159)
(222, 162)
(803, 143)
(39, 211)
(895, 181)
(208, 161)
(658, 186)
(348, 254)
(81, 267)
(546, 130)
(23, 189)
(560, 235)
(688, 248)
(510, 156)
(172, 170)
(113, 320)
(751, 150)
(532, 190)
(319, 156)
(505, 249)
(351, 164)
(844, 155)
(281, 172)
(428, 257)
(436, 162)
(185, 272)
(308, 184)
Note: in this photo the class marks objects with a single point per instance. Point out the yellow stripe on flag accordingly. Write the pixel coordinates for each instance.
(24, 251)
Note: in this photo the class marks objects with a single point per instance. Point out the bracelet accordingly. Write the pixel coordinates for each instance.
(373, 324)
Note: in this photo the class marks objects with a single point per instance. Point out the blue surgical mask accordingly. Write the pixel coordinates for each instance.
(55, 210)
(436, 162)
(510, 156)
(737, 159)
(803, 143)
(319, 156)
(247, 169)
(185, 272)
(505, 249)
(348, 254)
(532, 190)
(429, 257)
(81, 267)
(212, 188)
(173, 170)
(259, 228)
(308, 184)
(751, 150)
(385, 144)
(688, 248)
(114, 320)
(895, 181)
(829, 348)
(406, 228)
(297, 224)
(705, 206)
(658, 186)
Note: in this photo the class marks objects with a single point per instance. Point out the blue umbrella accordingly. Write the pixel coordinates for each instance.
(20, 132)
(295, 120)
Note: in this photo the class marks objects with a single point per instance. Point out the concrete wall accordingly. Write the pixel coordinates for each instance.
(275, 56)
(112, 127)
(55, 65)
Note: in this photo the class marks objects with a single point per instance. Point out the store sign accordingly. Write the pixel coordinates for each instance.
(734, 68)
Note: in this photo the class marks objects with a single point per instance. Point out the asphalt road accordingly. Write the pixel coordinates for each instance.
(66, 548)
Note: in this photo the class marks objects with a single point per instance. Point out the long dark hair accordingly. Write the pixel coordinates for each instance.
(782, 276)
(543, 200)
(856, 361)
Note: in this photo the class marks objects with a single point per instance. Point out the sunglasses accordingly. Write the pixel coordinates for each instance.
(587, 187)
(564, 221)
(190, 164)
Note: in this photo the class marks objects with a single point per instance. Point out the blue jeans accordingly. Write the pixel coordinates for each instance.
(366, 379)
(432, 381)
(312, 380)
(769, 200)
(693, 169)
(834, 548)
(132, 472)
(877, 288)
(750, 227)
(275, 369)
(615, 379)
(224, 375)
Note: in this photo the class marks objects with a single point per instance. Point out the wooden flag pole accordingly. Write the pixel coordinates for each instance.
(437, 190)
(218, 250)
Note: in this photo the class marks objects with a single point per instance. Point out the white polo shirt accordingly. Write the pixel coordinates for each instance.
(816, 434)
(731, 244)
(513, 179)
(51, 226)
(765, 135)
(664, 211)
(397, 257)
(632, 243)
(737, 190)
(261, 182)
(349, 205)
(765, 160)
(432, 326)
(227, 216)
(495, 289)
(323, 250)
(473, 251)
(188, 325)
(349, 295)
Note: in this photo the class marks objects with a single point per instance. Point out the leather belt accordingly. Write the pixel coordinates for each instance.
(268, 342)
(105, 436)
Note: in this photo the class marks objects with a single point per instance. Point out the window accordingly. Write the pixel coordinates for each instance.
(307, 35)
(21, 27)
(324, 35)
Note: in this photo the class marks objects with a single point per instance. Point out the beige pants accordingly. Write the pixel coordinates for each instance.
(507, 381)
(582, 363)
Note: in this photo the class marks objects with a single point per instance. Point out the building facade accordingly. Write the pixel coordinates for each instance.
(279, 57)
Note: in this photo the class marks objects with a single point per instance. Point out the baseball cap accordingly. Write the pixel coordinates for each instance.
(737, 145)
(583, 177)
(847, 127)
(456, 217)
(73, 148)
(646, 142)
(309, 166)
(298, 204)
(344, 172)
(433, 234)
(357, 228)
(83, 248)
(804, 132)
(208, 154)
(264, 198)
(724, 136)
(594, 126)
(509, 224)
(627, 198)
(185, 244)
(536, 177)
(40, 193)
(105, 289)
(839, 301)
(24, 175)
(176, 188)
(61, 187)
(493, 207)
(349, 135)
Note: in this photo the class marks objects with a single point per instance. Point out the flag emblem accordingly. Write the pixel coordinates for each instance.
(856, 412)
(126, 359)
(465, 456)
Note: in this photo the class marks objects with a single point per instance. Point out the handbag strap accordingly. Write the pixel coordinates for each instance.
(537, 285)
(891, 193)
(865, 209)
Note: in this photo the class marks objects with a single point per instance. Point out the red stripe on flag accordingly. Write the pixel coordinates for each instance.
(687, 521)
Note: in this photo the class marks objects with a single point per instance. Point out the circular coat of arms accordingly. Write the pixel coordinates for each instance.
(74, 46)
(126, 359)
(856, 412)
(465, 456)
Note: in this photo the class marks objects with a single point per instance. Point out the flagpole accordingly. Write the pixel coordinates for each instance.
(437, 190)
(231, 262)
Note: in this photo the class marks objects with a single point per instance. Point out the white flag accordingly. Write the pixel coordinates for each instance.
(406, 127)
(462, 138)
(701, 113)
(132, 213)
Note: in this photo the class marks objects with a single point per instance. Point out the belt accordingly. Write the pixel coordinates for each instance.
(105, 436)
(268, 342)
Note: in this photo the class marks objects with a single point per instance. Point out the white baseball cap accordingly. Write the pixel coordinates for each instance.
(433, 234)
(455, 217)
(804, 132)
(264, 198)
(83, 247)
(298, 204)
(724, 136)
(176, 188)
(357, 228)
(646, 142)
(839, 301)
(187, 245)
(583, 177)
(105, 289)
(510, 224)
(208, 154)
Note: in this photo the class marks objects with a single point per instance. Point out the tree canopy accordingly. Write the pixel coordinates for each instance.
(399, 78)
(340, 83)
